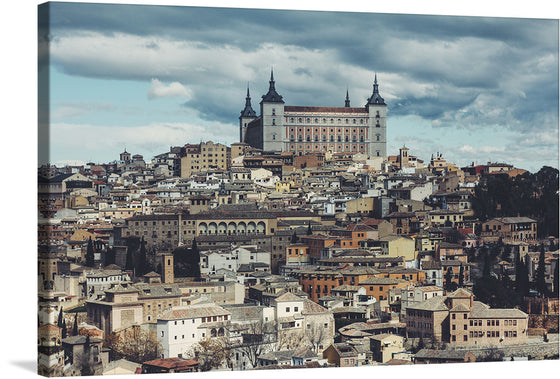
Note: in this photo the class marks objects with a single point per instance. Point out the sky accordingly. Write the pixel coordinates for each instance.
(145, 78)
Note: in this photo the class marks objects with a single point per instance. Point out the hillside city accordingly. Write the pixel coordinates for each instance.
(215, 257)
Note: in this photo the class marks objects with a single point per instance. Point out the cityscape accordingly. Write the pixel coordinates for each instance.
(281, 226)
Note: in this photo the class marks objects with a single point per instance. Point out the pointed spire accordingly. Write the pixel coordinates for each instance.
(272, 96)
(375, 97)
(248, 111)
(271, 82)
(248, 98)
(347, 102)
(375, 85)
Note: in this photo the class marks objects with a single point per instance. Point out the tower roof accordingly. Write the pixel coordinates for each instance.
(347, 101)
(375, 97)
(272, 96)
(248, 111)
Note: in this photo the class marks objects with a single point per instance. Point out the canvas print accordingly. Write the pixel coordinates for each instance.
(227, 189)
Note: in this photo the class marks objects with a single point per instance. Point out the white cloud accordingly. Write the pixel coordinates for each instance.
(90, 142)
(174, 89)
(69, 110)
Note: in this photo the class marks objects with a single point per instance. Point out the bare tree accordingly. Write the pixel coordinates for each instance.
(259, 338)
(316, 335)
(290, 339)
(134, 344)
(212, 353)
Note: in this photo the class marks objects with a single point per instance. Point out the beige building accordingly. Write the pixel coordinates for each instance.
(398, 246)
(119, 309)
(206, 155)
(218, 292)
(511, 228)
(458, 319)
(385, 346)
(167, 231)
(156, 298)
(360, 205)
(445, 217)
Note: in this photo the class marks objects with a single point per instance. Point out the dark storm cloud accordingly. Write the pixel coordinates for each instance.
(455, 71)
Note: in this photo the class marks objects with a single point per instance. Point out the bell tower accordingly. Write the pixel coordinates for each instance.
(272, 114)
(168, 274)
(377, 110)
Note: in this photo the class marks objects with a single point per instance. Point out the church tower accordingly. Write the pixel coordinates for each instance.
(168, 274)
(247, 115)
(272, 118)
(377, 110)
(125, 156)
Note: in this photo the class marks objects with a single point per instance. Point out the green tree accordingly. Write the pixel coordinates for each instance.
(527, 195)
(187, 261)
(541, 280)
(110, 258)
(142, 266)
(195, 259)
(132, 246)
(448, 279)
(60, 320)
(75, 327)
(86, 359)
(461, 276)
(90, 259)
(309, 230)
(487, 264)
(555, 285)
(521, 277)
(506, 253)
(64, 330)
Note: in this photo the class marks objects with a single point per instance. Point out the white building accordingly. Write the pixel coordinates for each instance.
(100, 280)
(211, 261)
(179, 328)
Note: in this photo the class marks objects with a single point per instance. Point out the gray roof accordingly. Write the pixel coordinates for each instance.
(481, 310)
(436, 303)
(515, 220)
(80, 340)
(157, 290)
(442, 354)
(189, 312)
(378, 281)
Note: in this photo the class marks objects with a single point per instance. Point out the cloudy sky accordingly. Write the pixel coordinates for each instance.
(145, 78)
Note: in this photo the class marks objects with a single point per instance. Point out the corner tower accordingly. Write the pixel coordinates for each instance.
(272, 118)
(247, 115)
(377, 111)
